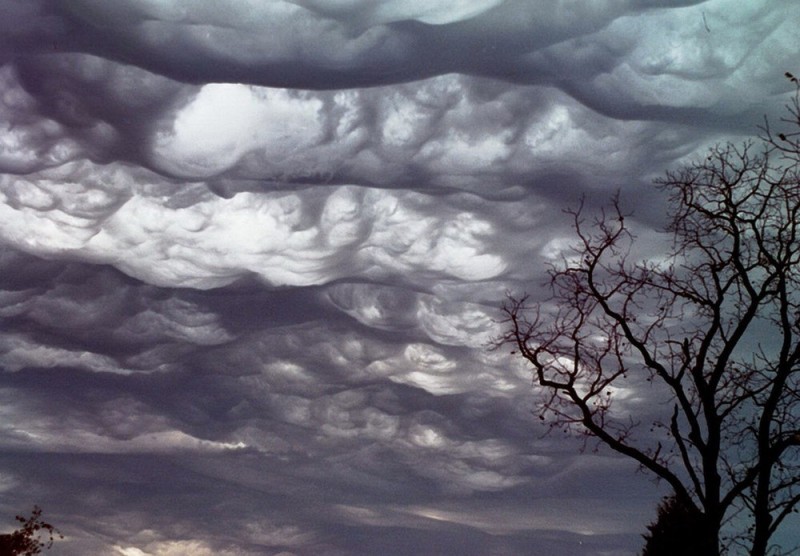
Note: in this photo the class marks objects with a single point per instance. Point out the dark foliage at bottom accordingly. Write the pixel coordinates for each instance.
(28, 539)
(678, 529)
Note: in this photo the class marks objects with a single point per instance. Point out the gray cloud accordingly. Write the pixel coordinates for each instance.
(252, 255)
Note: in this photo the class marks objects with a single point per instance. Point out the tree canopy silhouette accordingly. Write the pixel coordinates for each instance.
(678, 530)
(709, 332)
(34, 535)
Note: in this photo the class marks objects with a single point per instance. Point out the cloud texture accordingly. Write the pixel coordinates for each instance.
(252, 254)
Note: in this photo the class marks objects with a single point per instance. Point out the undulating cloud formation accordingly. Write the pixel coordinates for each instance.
(252, 255)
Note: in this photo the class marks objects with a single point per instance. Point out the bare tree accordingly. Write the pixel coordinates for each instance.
(710, 332)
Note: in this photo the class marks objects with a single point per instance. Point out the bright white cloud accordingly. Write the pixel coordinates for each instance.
(177, 548)
(283, 238)
(224, 123)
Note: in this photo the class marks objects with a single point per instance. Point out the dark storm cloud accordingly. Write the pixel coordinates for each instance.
(311, 44)
(251, 255)
(450, 131)
(308, 400)
(624, 60)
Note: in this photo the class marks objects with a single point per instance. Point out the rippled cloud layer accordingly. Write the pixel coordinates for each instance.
(252, 255)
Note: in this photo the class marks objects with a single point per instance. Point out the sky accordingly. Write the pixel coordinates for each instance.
(252, 255)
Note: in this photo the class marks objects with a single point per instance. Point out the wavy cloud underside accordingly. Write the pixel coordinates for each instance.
(252, 254)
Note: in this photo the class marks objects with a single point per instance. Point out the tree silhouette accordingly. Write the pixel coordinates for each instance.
(27, 540)
(678, 530)
(709, 333)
